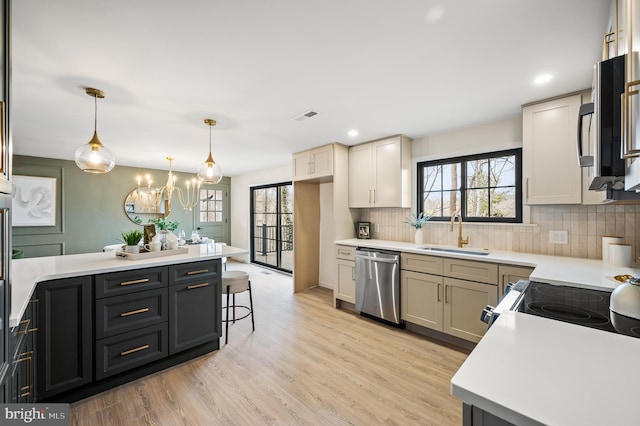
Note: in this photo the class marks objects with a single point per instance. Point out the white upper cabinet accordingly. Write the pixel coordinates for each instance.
(314, 163)
(551, 174)
(380, 173)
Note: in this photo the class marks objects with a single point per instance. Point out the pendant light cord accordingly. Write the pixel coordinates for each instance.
(210, 126)
(95, 114)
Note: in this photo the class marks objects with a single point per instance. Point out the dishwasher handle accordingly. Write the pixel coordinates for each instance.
(377, 259)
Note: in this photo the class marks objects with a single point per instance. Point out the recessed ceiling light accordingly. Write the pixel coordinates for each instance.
(353, 133)
(544, 78)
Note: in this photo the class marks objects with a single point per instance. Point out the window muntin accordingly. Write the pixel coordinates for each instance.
(491, 190)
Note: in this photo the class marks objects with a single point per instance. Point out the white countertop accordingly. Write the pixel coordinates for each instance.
(571, 271)
(26, 273)
(531, 370)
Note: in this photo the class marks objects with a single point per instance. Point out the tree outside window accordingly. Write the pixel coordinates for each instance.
(489, 192)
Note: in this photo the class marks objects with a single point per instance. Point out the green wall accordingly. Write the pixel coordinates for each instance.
(89, 207)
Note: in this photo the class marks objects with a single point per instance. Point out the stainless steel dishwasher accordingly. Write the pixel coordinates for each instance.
(378, 284)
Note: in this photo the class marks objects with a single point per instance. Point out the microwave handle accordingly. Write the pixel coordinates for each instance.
(583, 160)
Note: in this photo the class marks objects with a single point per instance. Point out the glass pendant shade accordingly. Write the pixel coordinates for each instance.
(209, 171)
(93, 157)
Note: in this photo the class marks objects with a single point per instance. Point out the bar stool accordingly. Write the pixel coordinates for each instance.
(234, 282)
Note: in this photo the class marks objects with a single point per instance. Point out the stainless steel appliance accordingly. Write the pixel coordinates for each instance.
(378, 284)
(580, 306)
(605, 156)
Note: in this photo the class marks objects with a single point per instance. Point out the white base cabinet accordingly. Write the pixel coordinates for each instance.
(345, 288)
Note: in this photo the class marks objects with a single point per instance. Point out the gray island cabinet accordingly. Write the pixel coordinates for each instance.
(103, 321)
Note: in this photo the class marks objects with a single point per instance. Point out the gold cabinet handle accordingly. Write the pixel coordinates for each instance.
(140, 281)
(627, 132)
(26, 323)
(26, 356)
(374, 196)
(130, 351)
(353, 273)
(344, 253)
(438, 293)
(191, 287)
(446, 294)
(137, 311)
(199, 271)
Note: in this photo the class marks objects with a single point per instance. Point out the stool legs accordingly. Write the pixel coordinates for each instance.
(226, 328)
(234, 308)
(253, 326)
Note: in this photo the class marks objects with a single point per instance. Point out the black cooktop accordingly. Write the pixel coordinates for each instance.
(575, 305)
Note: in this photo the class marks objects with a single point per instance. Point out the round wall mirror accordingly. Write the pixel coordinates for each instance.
(145, 204)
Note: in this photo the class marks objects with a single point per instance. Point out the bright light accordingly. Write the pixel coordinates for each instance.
(353, 133)
(544, 78)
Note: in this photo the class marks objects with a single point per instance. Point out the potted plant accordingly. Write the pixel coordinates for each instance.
(165, 228)
(417, 221)
(131, 240)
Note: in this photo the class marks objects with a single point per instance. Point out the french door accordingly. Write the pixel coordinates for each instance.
(272, 226)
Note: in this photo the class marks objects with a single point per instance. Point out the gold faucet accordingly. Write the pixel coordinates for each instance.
(461, 241)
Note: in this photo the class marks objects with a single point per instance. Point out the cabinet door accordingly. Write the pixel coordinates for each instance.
(463, 304)
(421, 299)
(387, 173)
(301, 165)
(65, 335)
(511, 274)
(322, 161)
(360, 175)
(194, 314)
(549, 149)
(346, 285)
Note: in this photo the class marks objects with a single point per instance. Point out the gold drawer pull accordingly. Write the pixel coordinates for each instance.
(191, 287)
(130, 351)
(199, 271)
(143, 280)
(137, 311)
(26, 328)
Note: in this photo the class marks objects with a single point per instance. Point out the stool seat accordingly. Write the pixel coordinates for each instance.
(234, 282)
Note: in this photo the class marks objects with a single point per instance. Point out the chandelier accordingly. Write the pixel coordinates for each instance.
(151, 197)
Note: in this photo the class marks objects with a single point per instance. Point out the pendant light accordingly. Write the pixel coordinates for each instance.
(93, 157)
(209, 171)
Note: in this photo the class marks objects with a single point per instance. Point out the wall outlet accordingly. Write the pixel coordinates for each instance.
(558, 237)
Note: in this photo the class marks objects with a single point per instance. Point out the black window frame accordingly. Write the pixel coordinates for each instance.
(517, 152)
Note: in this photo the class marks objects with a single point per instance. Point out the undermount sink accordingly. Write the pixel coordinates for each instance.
(457, 250)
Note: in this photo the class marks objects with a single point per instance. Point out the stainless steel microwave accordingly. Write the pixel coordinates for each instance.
(604, 117)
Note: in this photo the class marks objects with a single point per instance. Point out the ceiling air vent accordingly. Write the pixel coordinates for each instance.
(305, 115)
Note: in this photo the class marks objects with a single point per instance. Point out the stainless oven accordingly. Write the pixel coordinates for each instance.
(575, 305)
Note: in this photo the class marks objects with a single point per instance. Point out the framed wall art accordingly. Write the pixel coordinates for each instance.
(364, 230)
(33, 201)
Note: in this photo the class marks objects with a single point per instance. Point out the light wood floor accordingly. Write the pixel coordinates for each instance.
(306, 363)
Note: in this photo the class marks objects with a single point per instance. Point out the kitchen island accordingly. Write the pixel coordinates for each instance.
(93, 321)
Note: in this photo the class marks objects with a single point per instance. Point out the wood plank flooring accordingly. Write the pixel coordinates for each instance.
(306, 363)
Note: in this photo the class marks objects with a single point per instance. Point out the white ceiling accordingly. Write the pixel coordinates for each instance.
(380, 66)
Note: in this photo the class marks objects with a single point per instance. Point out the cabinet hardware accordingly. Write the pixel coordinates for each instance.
(344, 253)
(26, 323)
(369, 196)
(130, 351)
(438, 293)
(34, 324)
(374, 196)
(526, 190)
(191, 287)
(627, 132)
(353, 273)
(608, 38)
(140, 281)
(502, 285)
(137, 311)
(26, 356)
(446, 294)
(199, 271)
